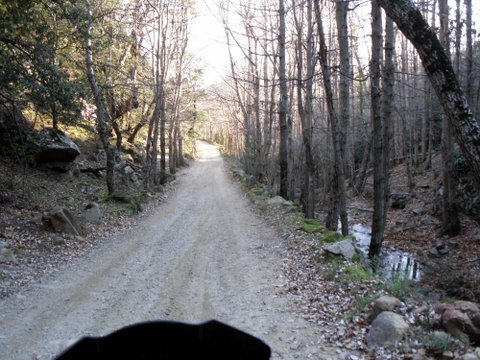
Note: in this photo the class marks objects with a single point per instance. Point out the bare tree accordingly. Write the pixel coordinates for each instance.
(338, 206)
(450, 221)
(440, 72)
(283, 109)
(102, 114)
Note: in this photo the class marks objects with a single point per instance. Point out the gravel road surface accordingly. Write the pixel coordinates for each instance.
(202, 255)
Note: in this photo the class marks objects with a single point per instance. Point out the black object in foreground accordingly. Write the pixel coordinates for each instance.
(164, 340)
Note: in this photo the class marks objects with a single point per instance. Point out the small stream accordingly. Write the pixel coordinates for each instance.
(395, 262)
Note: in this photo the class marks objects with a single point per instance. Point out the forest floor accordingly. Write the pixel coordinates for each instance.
(258, 272)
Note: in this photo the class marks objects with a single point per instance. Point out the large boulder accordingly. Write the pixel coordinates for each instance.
(461, 319)
(384, 303)
(345, 248)
(61, 220)
(386, 329)
(53, 149)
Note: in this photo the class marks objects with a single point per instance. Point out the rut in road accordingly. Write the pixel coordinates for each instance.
(202, 255)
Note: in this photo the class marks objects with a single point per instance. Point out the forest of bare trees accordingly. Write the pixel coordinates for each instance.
(323, 98)
(319, 95)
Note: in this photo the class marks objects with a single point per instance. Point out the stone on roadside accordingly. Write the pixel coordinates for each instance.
(7, 255)
(384, 303)
(386, 329)
(278, 200)
(93, 213)
(345, 248)
(61, 220)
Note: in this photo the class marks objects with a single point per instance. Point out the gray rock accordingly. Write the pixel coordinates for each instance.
(53, 149)
(278, 200)
(459, 325)
(345, 248)
(93, 214)
(384, 303)
(61, 220)
(471, 355)
(7, 255)
(461, 319)
(386, 329)
(127, 170)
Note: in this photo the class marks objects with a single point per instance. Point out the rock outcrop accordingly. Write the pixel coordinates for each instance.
(53, 149)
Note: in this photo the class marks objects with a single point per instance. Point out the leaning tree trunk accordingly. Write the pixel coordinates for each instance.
(102, 116)
(438, 68)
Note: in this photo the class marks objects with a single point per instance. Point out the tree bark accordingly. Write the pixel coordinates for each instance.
(379, 185)
(283, 105)
(450, 221)
(338, 206)
(439, 69)
(102, 115)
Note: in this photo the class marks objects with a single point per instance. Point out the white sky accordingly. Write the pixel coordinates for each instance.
(207, 38)
(207, 41)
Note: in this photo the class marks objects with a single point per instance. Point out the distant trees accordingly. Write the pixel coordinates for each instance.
(332, 111)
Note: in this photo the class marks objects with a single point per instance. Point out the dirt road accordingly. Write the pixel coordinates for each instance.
(201, 255)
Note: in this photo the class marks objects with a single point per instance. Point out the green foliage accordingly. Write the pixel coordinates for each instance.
(439, 342)
(258, 193)
(34, 37)
(361, 302)
(399, 286)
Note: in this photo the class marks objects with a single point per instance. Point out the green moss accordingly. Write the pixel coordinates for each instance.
(312, 226)
(355, 272)
(331, 236)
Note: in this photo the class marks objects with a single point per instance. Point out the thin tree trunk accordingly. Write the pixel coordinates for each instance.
(283, 105)
(450, 221)
(102, 115)
(338, 205)
(379, 185)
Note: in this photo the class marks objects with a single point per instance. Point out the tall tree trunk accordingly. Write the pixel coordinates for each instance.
(450, 221)
(379, 185)
(440, 72)
(338, 204)
(305, 109)
(283, 105)
(341, 9)
(469, 54)
(102, 115)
